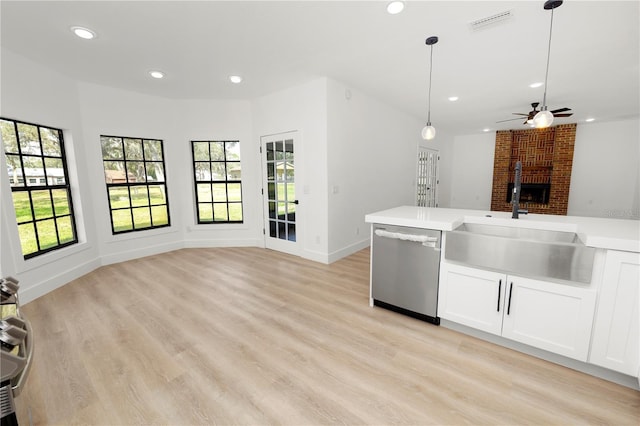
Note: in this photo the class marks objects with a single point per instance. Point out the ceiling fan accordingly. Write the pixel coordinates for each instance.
(560, 112)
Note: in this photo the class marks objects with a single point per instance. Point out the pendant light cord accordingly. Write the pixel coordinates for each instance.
(546, 75)
(429, 98)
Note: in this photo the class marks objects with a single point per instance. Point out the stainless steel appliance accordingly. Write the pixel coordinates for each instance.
(16, 349)
(404, 270)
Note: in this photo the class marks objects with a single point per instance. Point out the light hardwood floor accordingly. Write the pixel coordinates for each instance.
(253, 336)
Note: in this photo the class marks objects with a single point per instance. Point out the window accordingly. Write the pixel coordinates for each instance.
(217, 176)
(44, 210)
(135, 175)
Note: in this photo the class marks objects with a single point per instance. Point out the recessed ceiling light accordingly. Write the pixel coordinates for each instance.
(235, 79)
(589, 120)
(395, 7)
(84, 33)
(453, 98)
(156, 74)
(536, 85)
(486, 130)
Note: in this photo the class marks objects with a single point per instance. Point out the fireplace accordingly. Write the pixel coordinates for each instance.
(531, 193)
(547, 158)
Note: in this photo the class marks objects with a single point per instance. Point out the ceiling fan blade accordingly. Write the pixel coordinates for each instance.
(520, 113)
(511, 119)
(560, 110)
(563, 115)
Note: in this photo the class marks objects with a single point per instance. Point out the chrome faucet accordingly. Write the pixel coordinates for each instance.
(515, 198)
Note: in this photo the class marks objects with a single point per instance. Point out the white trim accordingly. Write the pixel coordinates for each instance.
(123, 256)
(224, 243)
(349, 250)
(57, 281)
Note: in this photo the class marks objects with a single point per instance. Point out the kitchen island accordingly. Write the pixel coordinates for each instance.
(591, 325)
(614, 234)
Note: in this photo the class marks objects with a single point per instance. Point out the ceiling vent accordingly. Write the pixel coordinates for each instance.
(490, 20)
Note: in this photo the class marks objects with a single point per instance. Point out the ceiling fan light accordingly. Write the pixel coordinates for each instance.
(395, 7)
(543, 119)
(428, 132)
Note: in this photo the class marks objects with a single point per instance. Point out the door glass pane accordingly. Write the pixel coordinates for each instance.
(270, 154)
(282, 230)
(271, 171)
(279, 150)
(291, 232)
(271, 188)
(273, 233)
(272, 210)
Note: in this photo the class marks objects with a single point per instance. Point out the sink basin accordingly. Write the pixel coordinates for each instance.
(521, 233)
(526, 252)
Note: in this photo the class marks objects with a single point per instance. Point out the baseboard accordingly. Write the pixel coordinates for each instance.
(123, 256)
(349, 250)
(247, 242)
(57, 281)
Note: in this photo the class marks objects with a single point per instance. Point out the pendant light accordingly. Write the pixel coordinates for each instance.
(544, 118)
(429, 132)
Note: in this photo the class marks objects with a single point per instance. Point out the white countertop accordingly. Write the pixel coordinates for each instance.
(615, 234)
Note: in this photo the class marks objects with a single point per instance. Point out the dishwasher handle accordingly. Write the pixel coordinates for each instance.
(425, 240)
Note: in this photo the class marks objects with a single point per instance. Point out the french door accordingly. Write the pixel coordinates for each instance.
(281, 219)
(427, 178)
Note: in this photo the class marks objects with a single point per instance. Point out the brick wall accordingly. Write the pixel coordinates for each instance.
(546, 156)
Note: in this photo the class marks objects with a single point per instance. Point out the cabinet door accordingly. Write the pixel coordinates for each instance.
(472, 297)
(616, 335)
(550, 316)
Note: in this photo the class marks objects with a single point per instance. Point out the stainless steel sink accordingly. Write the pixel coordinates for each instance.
(523, 233)
(522, 251)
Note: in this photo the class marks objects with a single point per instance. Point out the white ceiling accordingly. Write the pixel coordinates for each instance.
(594, 66)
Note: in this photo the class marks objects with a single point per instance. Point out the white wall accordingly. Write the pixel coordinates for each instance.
(472, 176)
(220, 120)
(605, 180)
(34, 94)
(109, 111)
(302, 108)
(115, 112)
(372, 154)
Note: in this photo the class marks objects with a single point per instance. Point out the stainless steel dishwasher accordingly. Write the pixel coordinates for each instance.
(405, 263)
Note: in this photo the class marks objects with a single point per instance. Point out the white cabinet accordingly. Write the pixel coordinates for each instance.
(472, 297)
(550, 316)
(616, 334)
